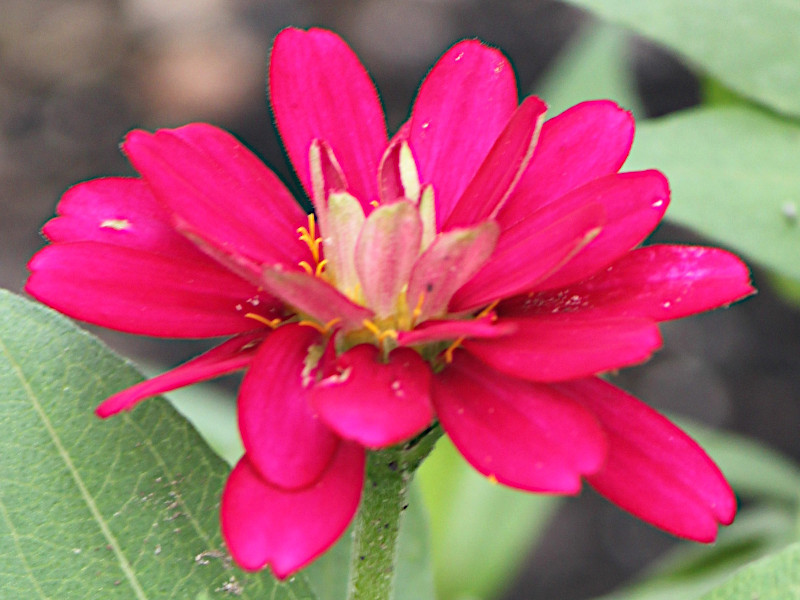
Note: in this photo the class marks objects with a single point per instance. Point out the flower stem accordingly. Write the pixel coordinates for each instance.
(377, 525)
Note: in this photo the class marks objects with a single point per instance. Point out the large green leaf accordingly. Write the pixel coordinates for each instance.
(124, 508)
(480, 531)
(751, 47)
(735, 177)
(775, 577)
(594, 66)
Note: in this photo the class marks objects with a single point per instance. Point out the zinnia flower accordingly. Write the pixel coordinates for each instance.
(478, 269)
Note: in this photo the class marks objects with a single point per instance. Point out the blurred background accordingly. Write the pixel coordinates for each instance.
(76, 75)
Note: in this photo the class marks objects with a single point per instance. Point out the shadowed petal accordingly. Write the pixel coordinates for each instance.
(374, 403)
(653, 469)
(462, 106)
(319, 90)
(450, 261)
(140, 292)
(230, 356)
(590, 140)
(658, 282)
(501, 169)
(519, 433)
(286, 442)
(266, 525)
(387, 249)
(559, 347)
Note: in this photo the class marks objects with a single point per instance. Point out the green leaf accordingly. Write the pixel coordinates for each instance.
(775, 577)
(734, 177)
(594, 66)
(693, 569)
(480, 531)
(751, 47)
(123, 508)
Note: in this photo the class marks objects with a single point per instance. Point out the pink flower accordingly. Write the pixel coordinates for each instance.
(479, 268)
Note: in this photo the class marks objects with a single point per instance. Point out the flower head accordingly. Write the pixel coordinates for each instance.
(476, 270)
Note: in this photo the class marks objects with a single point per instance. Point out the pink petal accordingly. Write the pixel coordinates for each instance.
(140, 292)
(502, 168)
(462, 107)
(560, 347)
(285, 440)
(448, 263)
(653, 469)
(120, 211)
(220, 191)
(230, 356)
(590, 140)
(634, 205)
(266, 525)
(520, 261)
(387, 248)
(320, 90)
(519, 433)
(373, 402)
(657, 282)
(314, 297)
(448, 330)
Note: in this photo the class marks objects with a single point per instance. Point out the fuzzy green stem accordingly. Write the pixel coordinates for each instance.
(377, 525)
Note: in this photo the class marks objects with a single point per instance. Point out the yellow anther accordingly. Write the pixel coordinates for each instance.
(492, 479)
(374, 204)
(323, 329)
(380, 334)
(448, 354)
(271, 323)
(309, 236)
(372, 327)
(306, 267)
(488, 309)
(415, 314)
(320, 267)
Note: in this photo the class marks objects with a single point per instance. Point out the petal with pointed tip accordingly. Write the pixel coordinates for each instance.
(140, 292)
(521, 261)
(659, 282)
(501, 169)
(462, 106)
(522, 434)
(287, 443)
(374, 403)
(230, 356)
(314, 297)
(387, 249)
(319, 90)
(559, 347)
(450, 261)
(653, 469)
(398, 177)
(266, 525)
(590, 140)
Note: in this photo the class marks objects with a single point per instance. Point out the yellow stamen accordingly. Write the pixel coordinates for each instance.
(323, 329)
(309, 236)
(271, 323)
(417, 309)
(374, 203)
(379, 334)
(448, 354)
(306, 267)
(488, 309)
(320, 267)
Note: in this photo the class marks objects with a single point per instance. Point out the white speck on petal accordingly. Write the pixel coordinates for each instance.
(117, 224)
